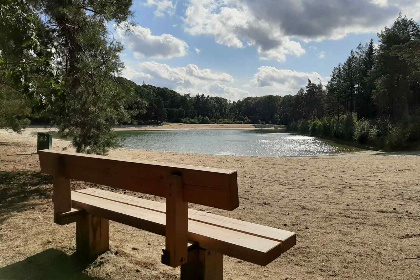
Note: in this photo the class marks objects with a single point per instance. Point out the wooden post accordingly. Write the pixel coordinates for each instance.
(61, 190)
(92, 236)
(176, 244)
(202, 265)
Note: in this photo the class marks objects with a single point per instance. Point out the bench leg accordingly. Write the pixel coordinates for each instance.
(208, 266)
(92, 236)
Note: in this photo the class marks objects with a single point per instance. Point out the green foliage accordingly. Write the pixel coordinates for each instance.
(303, 126)
(25, 68)
(65, 65)
(393, 73)
(315, 128)
(14, 111)
(91, 98)
(361, 131)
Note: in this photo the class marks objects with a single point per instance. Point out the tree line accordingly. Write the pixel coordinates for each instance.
(156, 104)
(60, 66)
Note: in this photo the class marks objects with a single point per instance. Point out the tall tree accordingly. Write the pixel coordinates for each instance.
(364, 103)
(392, 72)
(335, 93)
(91, 100)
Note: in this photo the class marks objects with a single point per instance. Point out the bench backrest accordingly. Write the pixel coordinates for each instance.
(212, 187)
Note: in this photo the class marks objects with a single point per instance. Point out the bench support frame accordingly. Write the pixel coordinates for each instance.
(202, 265)
(61, 190)
(92, 236)
(176, 242)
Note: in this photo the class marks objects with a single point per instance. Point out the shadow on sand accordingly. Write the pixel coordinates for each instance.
(19, 188)
(48, 265)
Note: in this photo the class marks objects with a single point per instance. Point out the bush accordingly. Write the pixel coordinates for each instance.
(381, 133)
(373, 134)
(293, 127)
(303, 127)
(361, 131)
(203, 120)
(327, 125)
(344, 127)
(315, 127)
(414, 128)
(397, 137)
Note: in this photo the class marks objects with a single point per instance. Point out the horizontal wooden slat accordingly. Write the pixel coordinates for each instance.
(200, 216)
(205, 186)
(230, 242)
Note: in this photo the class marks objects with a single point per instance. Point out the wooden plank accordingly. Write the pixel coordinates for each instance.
(229, 242)
(61, 189)
(92, 236)
(206, 186)
(176, 241)
(287, 237)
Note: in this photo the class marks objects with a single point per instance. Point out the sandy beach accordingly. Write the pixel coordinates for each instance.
(356, 215)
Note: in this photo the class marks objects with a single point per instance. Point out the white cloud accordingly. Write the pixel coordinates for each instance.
(162, 7)
(276, 26)
(187, 79)
(322, 55)
(192, 80)
(227, 92)
(197, 50)
(270, 80)
(132, 74)
(146, 45)
(231, 23)
(381, 3)
(280, 53)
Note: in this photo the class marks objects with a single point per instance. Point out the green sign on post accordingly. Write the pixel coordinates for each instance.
(44, 141)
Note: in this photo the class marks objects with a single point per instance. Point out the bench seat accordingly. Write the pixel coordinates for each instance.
(243, 240)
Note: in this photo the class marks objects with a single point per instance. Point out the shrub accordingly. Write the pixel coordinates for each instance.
(414, 129)
(327, 125)
(361, 131)
(203, 120)
(303, 127)
(373, 134)
(315, 127)
(397, 137)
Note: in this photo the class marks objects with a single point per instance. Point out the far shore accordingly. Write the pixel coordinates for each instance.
(165, 126)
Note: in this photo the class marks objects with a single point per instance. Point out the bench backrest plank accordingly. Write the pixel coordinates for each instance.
(212, 187)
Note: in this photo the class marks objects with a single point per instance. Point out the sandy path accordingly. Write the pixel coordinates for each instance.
(357, 216)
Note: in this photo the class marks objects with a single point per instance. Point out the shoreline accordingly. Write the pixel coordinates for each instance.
(165, 126)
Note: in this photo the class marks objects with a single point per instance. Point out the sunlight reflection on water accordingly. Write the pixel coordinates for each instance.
(229, 142)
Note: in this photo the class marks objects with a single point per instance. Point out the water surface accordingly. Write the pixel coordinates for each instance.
(261, 143)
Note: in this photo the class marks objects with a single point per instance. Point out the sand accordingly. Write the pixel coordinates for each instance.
(357, 216)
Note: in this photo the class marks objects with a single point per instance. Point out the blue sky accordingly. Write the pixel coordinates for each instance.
(240, 48)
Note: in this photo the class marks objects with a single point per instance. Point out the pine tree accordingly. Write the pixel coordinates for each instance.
(91, 100)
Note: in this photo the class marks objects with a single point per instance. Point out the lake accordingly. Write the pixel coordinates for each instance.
(260, 143)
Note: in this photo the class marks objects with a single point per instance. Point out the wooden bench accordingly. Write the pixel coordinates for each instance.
(211, 236)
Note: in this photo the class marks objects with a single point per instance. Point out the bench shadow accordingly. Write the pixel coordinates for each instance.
(47, 265)
(18, 189)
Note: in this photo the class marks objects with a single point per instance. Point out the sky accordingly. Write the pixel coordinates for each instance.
(247, 48)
